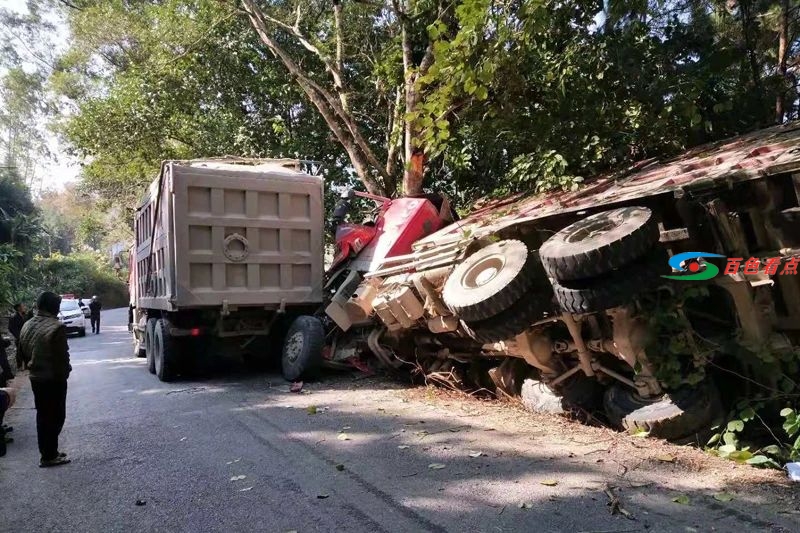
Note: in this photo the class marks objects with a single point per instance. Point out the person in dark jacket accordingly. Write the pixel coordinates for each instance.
(7, 397)
(94, 308)
(5, 369)
(6, 375)
(15, 324)
(43, 341)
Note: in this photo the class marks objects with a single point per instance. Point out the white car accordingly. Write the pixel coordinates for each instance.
(71, 315)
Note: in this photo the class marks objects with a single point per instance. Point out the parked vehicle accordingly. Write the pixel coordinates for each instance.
(228, 251)
(563, 289)
(71, 315)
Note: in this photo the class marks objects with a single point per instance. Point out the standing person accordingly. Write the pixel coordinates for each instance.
(44, 342)
(6, 375)
(15, 324)
(5, 369)
(94, 309)
(7, 397)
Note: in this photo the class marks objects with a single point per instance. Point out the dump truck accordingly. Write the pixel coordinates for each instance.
(228, 252)
(621, 293)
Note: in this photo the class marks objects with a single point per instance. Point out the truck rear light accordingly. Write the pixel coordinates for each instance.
(194, 332)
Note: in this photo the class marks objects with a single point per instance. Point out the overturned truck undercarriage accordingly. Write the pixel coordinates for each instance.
(621, 292)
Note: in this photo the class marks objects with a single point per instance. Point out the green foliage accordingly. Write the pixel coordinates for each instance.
(80, 273)
(791, 426)
(677, 353)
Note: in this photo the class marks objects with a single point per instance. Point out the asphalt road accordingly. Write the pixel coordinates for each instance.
(241, 453)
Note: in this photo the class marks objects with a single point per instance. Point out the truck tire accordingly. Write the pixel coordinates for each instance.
(490, 280)
(165, 351)
(302, 348)
(614, 289)
(149, 333)
(531, 307)
(684, 415)
(599, 244)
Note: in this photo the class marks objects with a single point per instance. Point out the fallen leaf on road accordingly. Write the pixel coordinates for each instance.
(322, 496)
(339, 467)
(421, 433)
(343, 436)
(549, 482)
(312, 409)
(640, 433)
(234, 461)
(344, 429)
(402, 447)
(525, 505)
(723, 497)
(297, 386)
(183, 439)
(666, 458)
(436, 466)
(683, 499)
(245, 489)
(238, 478)
(476, 454)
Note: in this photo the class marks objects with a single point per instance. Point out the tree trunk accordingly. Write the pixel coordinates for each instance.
(414, 171)
(783, 44)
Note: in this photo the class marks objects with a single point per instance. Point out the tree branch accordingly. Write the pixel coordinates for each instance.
(325, 103)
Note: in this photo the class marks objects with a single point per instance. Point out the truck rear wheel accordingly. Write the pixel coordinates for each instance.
(599, 244)
(165, 351)
(302, 349)
(149, 333)
(489, 281)
(682, 415)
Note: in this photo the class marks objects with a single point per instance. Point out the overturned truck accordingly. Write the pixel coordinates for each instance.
(624, 290)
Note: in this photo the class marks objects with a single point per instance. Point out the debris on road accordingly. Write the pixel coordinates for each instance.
(549, 482)
(238, 478)
(234, 461)
(477, 454)
(614, 504)
(343, 436)
(682, 499)
(339, 467)
(437, 466)
(139, 503)
(312, 409)
(246, 489)
(297, 386)
(323, 496)
(723, 496)
(525, 505)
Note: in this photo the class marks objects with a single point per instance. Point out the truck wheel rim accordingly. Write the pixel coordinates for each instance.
(483, 271)
(294, 346)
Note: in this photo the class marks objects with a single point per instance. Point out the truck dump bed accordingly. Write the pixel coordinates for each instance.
(230, 234)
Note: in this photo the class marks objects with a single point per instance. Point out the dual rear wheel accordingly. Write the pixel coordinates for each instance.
(301, 354)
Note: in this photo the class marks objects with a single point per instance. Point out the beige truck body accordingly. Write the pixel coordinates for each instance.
(229, 235)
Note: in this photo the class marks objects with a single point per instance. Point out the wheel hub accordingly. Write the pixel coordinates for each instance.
(483, 271)
(294, 346)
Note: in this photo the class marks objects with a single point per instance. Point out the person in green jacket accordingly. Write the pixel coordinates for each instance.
(43, 341)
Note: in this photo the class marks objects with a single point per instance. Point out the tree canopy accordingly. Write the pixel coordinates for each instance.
(470, 97)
